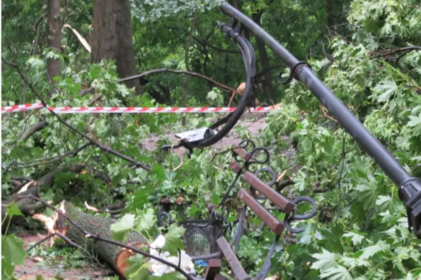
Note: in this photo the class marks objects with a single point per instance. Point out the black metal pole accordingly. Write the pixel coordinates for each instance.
(410, 188)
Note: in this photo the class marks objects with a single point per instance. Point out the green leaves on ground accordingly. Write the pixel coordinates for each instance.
(174, 240)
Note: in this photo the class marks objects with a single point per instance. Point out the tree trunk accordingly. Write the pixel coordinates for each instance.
(114, 255)
(53, 32)
(330, 13)
(266, 79)
(186, 60)
(112, 37)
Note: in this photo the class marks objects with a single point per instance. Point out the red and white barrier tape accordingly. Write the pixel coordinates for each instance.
(128, 110)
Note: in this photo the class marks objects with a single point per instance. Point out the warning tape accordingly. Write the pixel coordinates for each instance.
(128, 110)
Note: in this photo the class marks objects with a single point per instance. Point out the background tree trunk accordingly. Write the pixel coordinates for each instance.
(112, 37)
(53, 33)
(266, 79)
(186, 60)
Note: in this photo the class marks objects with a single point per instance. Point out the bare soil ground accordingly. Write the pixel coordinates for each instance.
(254, 123)
(37, 265)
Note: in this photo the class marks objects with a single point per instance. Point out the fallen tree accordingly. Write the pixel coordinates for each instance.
(113, 254)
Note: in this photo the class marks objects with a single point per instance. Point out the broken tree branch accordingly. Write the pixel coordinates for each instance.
(405, 51)
(163, 70)
(33, 129)
(49, 160)
(94, 142)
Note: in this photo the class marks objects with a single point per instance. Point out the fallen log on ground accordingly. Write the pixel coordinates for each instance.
(27, 206)
(114, 255)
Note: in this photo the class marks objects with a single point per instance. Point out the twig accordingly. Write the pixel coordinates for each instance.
(179, 258)
(98, 237)
(404, 49)
(163, 70)
(71, 243)
(49, 160)
(326, 116)
(39, 242)
(96, 143)
(232, 97)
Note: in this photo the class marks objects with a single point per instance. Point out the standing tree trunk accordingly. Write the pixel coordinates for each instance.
(112, 37)
(53, 32)
(186, 60)
(264, 59)
(330, 13)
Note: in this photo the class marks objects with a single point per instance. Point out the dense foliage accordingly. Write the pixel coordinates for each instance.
(361, 229)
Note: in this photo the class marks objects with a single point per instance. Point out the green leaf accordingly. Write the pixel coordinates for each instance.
(13, 210)
(121, 227)
(193, 210)
(212, 95)
(355, 237)
(12, 254)
(338, 273)
(173, 240)
(138, 268)
(145, 220)
(388, 88)
(325, 260)
(368, 194)
(415, 122)
(382, 199)
(354, 262)
(6, 269)
(159, 171)
(370, 251)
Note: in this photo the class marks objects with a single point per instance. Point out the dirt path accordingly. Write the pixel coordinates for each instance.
(53, 267)
(254, 128)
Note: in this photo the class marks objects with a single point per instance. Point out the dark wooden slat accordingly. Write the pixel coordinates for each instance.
(234, 263)
(254, 181)
(220, 277)
(242, 153)
(273, 223)
(213, 269)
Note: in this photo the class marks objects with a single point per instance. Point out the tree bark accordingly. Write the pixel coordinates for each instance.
(53, 32)
(112, 37)
(33, 129)
(266, 79)
(330, 13)
(186, 57)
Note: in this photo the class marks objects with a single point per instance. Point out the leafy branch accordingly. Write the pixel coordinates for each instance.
(91, 140)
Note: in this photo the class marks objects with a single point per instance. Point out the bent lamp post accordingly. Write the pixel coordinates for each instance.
(409, 187)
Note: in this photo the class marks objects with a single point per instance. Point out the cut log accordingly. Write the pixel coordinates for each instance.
(114, 255)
